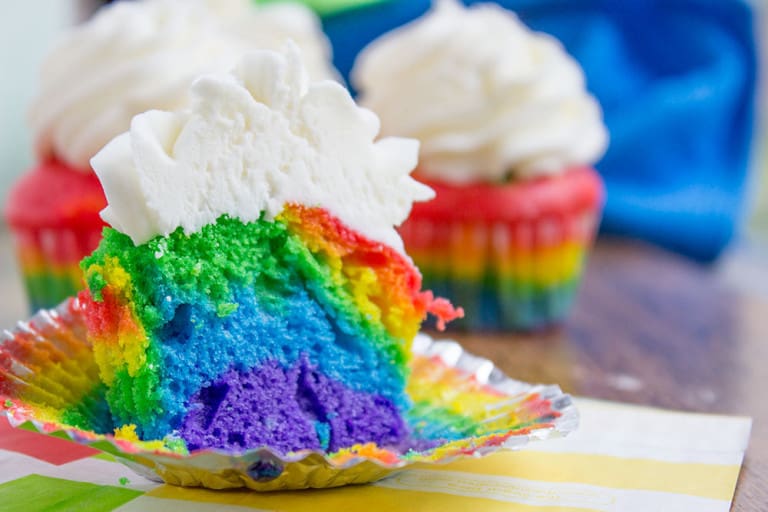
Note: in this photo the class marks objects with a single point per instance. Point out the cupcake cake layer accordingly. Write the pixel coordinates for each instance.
(318, 311)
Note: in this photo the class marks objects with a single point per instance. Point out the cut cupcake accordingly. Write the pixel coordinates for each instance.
(254, 291)
(509, 135)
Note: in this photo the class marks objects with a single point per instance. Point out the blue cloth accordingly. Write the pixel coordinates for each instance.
(676, 79)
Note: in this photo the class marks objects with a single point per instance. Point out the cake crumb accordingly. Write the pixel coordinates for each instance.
(225, 309)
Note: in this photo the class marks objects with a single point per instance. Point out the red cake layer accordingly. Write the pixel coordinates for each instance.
(576, 190)
(54, 195)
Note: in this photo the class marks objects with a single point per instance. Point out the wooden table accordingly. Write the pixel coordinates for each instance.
(648, 328)
(652, 328)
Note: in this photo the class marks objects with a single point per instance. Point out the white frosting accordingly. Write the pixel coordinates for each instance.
(141, 55)
(252, 141)
(486, 97)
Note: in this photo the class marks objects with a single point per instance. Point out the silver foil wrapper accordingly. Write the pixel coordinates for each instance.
(46, 366)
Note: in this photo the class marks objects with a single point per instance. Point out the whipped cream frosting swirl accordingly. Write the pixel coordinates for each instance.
(252, 141)
(489, 99)
(140, 55)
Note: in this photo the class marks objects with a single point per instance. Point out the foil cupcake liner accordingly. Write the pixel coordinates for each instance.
(46, 366)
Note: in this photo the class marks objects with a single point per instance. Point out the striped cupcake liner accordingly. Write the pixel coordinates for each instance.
(507, 275)
(49, 260)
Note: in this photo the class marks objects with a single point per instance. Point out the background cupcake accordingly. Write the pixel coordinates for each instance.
(508, 135)
(129, 58)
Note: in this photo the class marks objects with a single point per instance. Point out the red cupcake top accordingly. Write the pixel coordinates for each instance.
(575, 190)
(77, 198)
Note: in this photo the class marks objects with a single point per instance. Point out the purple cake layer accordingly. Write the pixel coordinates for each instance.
(288, 410)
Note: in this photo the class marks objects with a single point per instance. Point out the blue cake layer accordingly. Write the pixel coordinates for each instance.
(200, 345)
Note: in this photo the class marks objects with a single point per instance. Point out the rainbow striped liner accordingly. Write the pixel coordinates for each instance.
(49, 383)
(505, 277)
(49, 261)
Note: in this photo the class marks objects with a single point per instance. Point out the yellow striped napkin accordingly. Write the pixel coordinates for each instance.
(623, 458)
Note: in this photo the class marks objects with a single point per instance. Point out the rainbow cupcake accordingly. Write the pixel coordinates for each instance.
(252, 290)
(130, 57)
(508, 135)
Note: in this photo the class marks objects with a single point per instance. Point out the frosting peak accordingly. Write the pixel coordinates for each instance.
(487, 98)
(140, 55)
(251, 142)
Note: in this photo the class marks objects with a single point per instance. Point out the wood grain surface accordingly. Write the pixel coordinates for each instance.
(648, 328)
